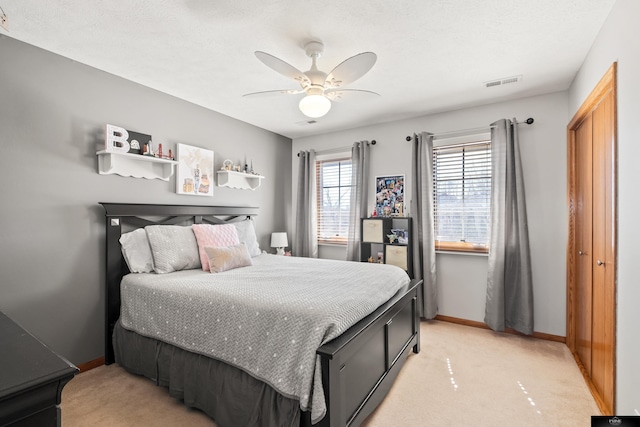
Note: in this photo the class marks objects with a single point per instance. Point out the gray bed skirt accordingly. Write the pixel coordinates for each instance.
(227, 394)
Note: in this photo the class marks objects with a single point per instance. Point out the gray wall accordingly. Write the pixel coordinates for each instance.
(619, 40)
(462, 278)
(51, 227)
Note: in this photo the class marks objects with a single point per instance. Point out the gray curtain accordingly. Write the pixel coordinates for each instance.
(423, 241)
(358, 201)
(306, 240)
(509, 284)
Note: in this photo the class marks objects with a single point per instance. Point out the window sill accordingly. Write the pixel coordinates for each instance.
(461, 247)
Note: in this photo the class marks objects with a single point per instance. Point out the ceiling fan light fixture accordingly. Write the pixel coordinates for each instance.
(319, 87)
(314, 106)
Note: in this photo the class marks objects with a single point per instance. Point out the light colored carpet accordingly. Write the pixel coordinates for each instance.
(463, 376)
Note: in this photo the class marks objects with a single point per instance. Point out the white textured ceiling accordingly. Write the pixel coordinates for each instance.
(433, 55)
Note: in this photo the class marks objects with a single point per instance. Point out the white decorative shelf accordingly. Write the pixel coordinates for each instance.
(241, 180)
(135, 165)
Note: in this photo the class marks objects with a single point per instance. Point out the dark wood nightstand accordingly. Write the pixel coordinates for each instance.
(31, 378)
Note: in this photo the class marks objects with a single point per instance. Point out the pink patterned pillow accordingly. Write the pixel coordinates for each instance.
(213, 236)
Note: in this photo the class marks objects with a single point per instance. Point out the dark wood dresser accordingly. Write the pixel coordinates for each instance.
(31, 378)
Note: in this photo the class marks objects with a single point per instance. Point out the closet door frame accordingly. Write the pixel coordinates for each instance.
(605, 86)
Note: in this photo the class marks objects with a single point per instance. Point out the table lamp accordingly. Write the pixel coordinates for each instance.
(279, 241)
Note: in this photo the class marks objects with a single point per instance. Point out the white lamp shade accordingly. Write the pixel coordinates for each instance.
(279, 240)
(314, 105)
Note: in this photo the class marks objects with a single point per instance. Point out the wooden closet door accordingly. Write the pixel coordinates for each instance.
(584, 224)
(591, 249)
(603, 247)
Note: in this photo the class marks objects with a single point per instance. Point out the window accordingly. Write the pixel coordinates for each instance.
(334, 195)
(462, 196)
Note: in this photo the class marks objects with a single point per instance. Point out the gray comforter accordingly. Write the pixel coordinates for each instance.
(267, 319)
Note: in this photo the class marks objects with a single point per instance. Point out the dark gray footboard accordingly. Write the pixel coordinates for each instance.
(359, 367)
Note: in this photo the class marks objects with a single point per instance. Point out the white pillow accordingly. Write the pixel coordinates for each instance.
(247, 235)
(136, 251)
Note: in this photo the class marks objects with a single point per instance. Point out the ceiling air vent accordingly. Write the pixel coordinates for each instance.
(307, 122)
(503, 81)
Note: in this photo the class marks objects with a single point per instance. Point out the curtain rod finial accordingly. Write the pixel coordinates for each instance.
(408, 138)
(529, 121)
(374, 142)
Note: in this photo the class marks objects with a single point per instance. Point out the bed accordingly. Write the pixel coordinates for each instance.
(352, 363)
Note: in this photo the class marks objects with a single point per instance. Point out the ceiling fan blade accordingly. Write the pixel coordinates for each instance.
(282, 67)
(351, 69)
(275, 92)
(340, 94)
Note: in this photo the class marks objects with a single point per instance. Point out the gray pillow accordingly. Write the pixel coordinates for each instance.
(247, 235)
(174, 248)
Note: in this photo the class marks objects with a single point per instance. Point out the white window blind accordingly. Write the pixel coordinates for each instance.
(334, 196)
(462, 196)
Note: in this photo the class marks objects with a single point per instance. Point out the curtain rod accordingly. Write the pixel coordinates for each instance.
(339, 149)
(471, 131)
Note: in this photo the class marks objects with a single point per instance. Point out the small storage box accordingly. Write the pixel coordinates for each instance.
(396, 255)
(372, 231)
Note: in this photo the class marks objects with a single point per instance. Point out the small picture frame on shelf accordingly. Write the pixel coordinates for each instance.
(137, 141)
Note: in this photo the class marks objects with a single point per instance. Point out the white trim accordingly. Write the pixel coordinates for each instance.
(336, 153)
(462, 132)
(462, 139)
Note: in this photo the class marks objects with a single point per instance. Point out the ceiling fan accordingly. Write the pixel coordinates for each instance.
(320, 88)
